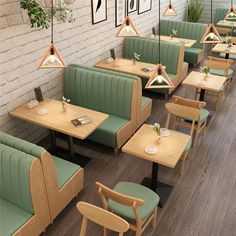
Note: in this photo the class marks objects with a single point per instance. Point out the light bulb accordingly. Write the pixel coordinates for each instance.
(212, 36)
(51, 59)
(170, 11)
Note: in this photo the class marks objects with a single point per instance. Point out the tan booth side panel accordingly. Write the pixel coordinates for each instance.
(41, 219)
(201, 55)
(145, 113)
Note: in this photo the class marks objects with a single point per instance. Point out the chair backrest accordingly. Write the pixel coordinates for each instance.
(101, 217)
(96, 90)
(106, 193)
(219, 64)
(186, 30)
(148, 51)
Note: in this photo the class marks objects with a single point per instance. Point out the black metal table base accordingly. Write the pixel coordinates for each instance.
(163, 190)
(76, 159)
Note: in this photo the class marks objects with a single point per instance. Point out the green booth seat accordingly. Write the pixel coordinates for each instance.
(151, 200)
(231, 56)
(172, 56)
(187, 30)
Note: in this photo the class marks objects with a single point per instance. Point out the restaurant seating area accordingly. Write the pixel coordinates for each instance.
(137, 135)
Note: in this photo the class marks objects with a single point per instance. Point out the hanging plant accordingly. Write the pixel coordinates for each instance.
(37, 16)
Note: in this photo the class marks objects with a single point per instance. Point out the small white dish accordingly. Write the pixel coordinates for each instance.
(151, 150)
(165, 132)
(42, 111)
(109, 60)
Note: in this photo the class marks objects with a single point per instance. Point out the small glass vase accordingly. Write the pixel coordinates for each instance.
(134, 61)
(158, 139)
(63, 108)
(206, 77)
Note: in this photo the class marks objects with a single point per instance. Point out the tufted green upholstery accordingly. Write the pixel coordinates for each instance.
(151, 200)
(21, 145)
(148, 51)
(104, 91)
(186, 30)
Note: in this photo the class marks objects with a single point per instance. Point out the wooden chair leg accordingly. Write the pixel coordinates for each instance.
(218, 101)
(196, 138)
(105, 232)
(154, 220)
(138, 231)
(185, 155)
(116, 150)
(83, 226)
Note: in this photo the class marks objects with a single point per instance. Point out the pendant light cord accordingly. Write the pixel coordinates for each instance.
(211, 13)
(127, 5)
(52, 22)
(159, 29)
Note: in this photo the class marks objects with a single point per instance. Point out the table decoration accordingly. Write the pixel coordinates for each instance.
(206, 71)
(64, 103)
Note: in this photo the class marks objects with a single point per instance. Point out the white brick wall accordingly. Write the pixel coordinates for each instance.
(206, 16)
(21, 49)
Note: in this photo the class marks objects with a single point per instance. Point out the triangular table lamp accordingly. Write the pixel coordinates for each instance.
(52, 59)
(231, 14)
(170, 10)
(211, 35)
(127, 29)
(159, 79)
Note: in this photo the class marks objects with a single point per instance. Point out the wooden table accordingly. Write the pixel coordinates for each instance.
(188, 43)
(225, 23)
(223, 48)
(170, 150)
(213, 83)
(128, 67)
(58, 121)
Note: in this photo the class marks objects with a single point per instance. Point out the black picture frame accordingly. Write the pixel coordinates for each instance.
(140, 6)
(93, 6)
(117, 24)
(135, 5)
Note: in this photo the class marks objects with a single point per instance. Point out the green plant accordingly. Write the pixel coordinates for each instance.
(37, 16)
(205, 69)
(157, 128)
(195, 9)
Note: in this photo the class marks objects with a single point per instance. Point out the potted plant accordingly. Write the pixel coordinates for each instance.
(173, 33)
(136, 57)
(157, 128)
(194, 10)
(206, 71)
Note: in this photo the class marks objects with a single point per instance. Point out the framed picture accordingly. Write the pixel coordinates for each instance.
(99, 11)
(132, 6)
(120, 11)
(144, 6)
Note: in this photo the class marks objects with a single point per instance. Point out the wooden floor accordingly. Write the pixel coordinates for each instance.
(203, 202)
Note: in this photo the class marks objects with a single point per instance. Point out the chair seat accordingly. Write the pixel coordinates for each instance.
(106, 132)
(151, 200)
(231, 56)
(145, 101)
(203, 114)
(221, 72)
(188, 146)
(65, 170)
(13, 217)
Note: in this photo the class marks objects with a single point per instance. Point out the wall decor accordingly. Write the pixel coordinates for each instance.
(99, 11)
(144, 6)
(120, 11)
(132, 6)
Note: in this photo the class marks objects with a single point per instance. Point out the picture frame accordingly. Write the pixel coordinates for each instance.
(144, 6)
(99, 11)
(132, 5)
(120, 12)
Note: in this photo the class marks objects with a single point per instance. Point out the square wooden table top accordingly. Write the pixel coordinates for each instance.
(188, 43)
(223, 48)
(60, 121)
(127, 66)
(227, 23)
(213, 82)
(170, 149)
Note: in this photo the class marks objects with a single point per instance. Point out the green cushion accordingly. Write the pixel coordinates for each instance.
(65, 170)
(203, 114)
(104, 92)
(145, 101)
(12, 217)
(231, 56)
(191, 55)
(221, 72)
(106, 132)
(187, 30)
(15, 177)
(188, 146)
(148, 51)
(21, 145)
(150, 198)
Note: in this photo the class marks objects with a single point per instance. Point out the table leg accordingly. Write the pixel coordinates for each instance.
(226, 55)
(71, 147)
(53, 141)
(162, 189)
(202, 95)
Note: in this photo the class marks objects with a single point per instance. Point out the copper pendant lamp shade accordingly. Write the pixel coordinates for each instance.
(231, 14)
(170, 10)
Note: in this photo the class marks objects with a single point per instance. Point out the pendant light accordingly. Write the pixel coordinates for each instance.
(159, 79)
(231, 14)
(170, 10)
(52, 58)
(127, 28)
(211, 35)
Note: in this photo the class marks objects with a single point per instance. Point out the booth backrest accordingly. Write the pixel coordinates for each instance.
(186, 30)
(21, 145)
(15, 177)
(104, 92)
(148, 51)
(220, 14)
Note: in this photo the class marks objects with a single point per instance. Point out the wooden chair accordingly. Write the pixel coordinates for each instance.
(183, 113)
(133, 202)
(101, 217)
(221, 67)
